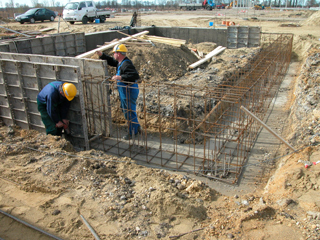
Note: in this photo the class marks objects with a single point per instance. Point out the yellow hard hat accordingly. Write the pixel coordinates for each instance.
(120, 48)
(69, 90)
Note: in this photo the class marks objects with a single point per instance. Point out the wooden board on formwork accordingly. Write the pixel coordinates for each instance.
(170, 41)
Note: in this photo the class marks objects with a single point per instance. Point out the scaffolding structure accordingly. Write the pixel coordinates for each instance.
(188, 128)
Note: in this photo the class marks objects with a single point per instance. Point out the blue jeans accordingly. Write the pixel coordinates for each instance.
(128, 96)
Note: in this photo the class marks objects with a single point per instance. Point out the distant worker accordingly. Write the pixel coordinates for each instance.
(133, 22)
(53, 104)
(127, 77)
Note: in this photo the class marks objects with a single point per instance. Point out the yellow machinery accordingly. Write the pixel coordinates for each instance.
(258, 7)
(231, 4)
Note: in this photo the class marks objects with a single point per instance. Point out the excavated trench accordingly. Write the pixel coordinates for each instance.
(191, 121)
(201, 129)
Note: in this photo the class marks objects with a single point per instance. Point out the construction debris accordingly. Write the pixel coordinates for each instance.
(208, 57)
(19, 33)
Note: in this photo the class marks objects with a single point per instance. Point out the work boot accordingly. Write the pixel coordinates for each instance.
(128, 136)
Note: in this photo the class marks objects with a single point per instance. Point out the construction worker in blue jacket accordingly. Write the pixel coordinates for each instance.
(53, 104)
(126, 77)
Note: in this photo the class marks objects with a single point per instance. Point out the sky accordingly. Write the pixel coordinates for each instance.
(30, 4)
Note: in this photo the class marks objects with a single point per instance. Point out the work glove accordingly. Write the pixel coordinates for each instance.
(59, 124)
(66, 121)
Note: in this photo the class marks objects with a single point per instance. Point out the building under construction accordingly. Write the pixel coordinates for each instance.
(214, 142)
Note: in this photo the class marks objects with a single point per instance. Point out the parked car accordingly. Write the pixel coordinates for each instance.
(36, 14)
(221, 6)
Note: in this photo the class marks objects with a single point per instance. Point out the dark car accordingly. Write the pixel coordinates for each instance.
(36, 14)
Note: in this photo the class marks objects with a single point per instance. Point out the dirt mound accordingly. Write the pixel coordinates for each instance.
(104, 189)
(158, 62)
(167, 63)
(302, 45)
(313, 20)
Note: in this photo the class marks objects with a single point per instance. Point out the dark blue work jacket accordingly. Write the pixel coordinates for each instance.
(57, 105)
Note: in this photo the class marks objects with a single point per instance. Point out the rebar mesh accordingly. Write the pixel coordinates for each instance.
(190, 128)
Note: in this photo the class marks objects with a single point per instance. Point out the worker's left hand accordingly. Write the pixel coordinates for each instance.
(59, 124)
(99, 53)
(116, 77)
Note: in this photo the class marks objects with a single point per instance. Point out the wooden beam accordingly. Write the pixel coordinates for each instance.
(266, 127)
(169, 41)
(104, 47)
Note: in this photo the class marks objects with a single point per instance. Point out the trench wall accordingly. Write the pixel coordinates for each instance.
(65, 44)
(73, 44)
(231, 37)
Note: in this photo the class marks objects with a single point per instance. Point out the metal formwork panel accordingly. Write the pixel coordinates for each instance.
(80, 43)
(23, 46)
(4, 48)
(92, 68)
(243, 36)
(36, 74)
(37, 46)
(60, 46)
(56, 45)
(20, 83)
(48, 45)
(69, 41)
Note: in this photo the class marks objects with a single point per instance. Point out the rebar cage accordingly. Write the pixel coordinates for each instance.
(189, 128)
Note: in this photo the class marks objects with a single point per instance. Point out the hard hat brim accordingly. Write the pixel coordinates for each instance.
(69, 98)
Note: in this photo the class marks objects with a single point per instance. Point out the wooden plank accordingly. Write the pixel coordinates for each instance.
(46, 29)
(103, 48)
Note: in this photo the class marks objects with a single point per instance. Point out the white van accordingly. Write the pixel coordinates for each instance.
(84, 11)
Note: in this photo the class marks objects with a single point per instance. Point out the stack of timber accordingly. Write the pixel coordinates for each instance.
(170, 41)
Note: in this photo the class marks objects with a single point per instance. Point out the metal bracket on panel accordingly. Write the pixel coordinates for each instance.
(83, 113)
(108, 89)
(24, 95)
(9, 96)
(37, 76)
(57, 71)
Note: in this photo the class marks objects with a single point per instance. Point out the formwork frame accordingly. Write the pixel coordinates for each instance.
(194, 129)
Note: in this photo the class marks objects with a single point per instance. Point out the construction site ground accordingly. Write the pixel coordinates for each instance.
(48, 184)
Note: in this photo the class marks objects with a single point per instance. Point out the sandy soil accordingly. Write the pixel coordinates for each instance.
(48, 184)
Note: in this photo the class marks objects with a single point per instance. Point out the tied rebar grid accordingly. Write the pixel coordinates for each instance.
(188, 128)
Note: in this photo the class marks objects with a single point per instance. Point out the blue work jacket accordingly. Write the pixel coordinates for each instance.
(57, 105)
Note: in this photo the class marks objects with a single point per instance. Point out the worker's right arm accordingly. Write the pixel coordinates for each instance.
(110, 60)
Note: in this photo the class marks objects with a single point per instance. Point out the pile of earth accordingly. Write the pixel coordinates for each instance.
(313, 20)
(302, 14)
(119, 198)
(161, 62)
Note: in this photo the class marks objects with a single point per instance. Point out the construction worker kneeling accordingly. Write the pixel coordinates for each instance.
(53, 104)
